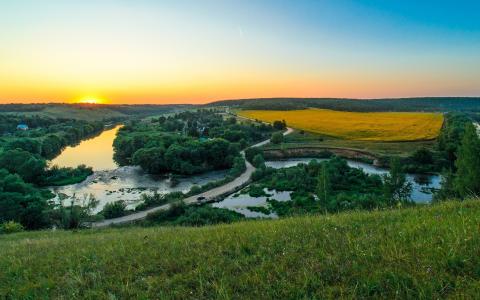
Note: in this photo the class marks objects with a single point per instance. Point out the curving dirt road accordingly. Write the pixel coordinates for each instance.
(227, 188)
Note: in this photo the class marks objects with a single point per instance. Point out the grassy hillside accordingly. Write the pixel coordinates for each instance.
(425, 252)
(298, 139)
(89, 112)
(441, 104)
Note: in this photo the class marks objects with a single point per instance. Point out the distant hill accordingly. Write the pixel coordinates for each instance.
(89, 111)
(404, 104)
(427, 252)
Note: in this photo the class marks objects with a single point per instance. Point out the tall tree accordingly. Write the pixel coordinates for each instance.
(396, 186)
(467, 179)
(324, 185)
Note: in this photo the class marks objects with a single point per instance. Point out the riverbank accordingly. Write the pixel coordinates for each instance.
(207, 196)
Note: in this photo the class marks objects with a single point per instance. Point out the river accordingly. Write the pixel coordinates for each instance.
(421, 193)
(96, 152)
(110, 183)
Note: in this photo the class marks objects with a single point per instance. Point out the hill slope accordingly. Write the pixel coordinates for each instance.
(427, 252)
(441, 104)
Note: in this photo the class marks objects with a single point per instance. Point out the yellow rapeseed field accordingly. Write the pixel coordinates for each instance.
(373, 126)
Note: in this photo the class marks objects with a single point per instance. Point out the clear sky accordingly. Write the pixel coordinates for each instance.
(196, 51)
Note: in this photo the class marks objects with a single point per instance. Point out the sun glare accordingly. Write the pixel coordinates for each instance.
(90, 100)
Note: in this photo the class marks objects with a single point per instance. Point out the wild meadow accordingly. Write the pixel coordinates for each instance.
(371, 126)
(423, 253)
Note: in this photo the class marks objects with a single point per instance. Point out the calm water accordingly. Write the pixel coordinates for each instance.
(421, 188)
(422, 184)
(110, 183)
(96, 152)
(127, 184)
(241, 202)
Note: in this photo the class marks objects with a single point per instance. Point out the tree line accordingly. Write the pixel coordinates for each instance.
(186, 143)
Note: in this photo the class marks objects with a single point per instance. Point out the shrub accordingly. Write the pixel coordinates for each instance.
(277, 138)
(114, 209)
(11, 227)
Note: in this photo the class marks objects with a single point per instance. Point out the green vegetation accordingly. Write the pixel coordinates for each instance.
(428, 252)
(88, 112)
(181, 214)
(463, 104)
(302, 139)
(24, 171)
(114, 209)
(186, 143)
(277, 138)
(10, 227)
(330, 186)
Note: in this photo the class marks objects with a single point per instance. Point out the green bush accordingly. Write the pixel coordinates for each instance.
(11, 227)
(114, 209)
(277, 138)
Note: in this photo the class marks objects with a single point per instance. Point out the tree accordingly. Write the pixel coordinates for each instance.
(277, 138)
(279, 125)
(324, 186)
(21, 202)
(25, 164)
(258, 161)
(467, 178)
(396, 186)
(423, 156)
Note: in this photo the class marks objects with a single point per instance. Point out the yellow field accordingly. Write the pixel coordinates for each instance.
(375, 126)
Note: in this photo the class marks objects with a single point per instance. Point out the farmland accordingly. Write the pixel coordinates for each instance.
(375, 126)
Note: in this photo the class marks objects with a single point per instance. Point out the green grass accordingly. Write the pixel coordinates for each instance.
(297, 140)
(87, 113)
(424, 252)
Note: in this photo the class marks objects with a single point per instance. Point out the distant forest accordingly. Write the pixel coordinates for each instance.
(127, 110)
(441, 104)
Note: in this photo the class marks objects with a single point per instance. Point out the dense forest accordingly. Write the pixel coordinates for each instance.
(464, 104)
(186, 143)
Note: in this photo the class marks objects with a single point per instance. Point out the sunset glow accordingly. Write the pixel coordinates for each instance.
(200, 51)
(90, 100)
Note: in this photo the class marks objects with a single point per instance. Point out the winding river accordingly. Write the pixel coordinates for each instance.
(110, 183)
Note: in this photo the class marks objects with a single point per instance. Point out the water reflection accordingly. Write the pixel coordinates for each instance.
(241, 202)
(127, 184)
(110, 183)
(422, 184)
(96, 152)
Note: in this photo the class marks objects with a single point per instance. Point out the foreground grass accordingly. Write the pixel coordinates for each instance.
(427, 252)
(372, 126)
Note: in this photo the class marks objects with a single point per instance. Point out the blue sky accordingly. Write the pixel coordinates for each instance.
(197, 51)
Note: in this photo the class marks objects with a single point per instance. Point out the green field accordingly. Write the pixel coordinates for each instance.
(85, 112)
(424, 252)
(307, 139)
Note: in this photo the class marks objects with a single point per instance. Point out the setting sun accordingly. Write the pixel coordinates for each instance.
(90, 100)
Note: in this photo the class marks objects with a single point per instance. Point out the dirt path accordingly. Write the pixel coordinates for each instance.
(214, 193)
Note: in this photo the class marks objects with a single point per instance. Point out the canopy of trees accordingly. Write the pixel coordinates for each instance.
(186, 143)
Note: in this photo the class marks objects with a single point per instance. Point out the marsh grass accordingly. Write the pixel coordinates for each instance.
(424, 252)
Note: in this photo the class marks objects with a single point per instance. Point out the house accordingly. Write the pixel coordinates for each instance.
(22, 127)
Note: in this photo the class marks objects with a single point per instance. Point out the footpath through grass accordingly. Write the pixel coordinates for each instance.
(426, 252)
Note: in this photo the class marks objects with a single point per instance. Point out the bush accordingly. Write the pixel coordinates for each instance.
(114, 209)
(279, 125)
(277, 138)
(259, 161)
(11, 227)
